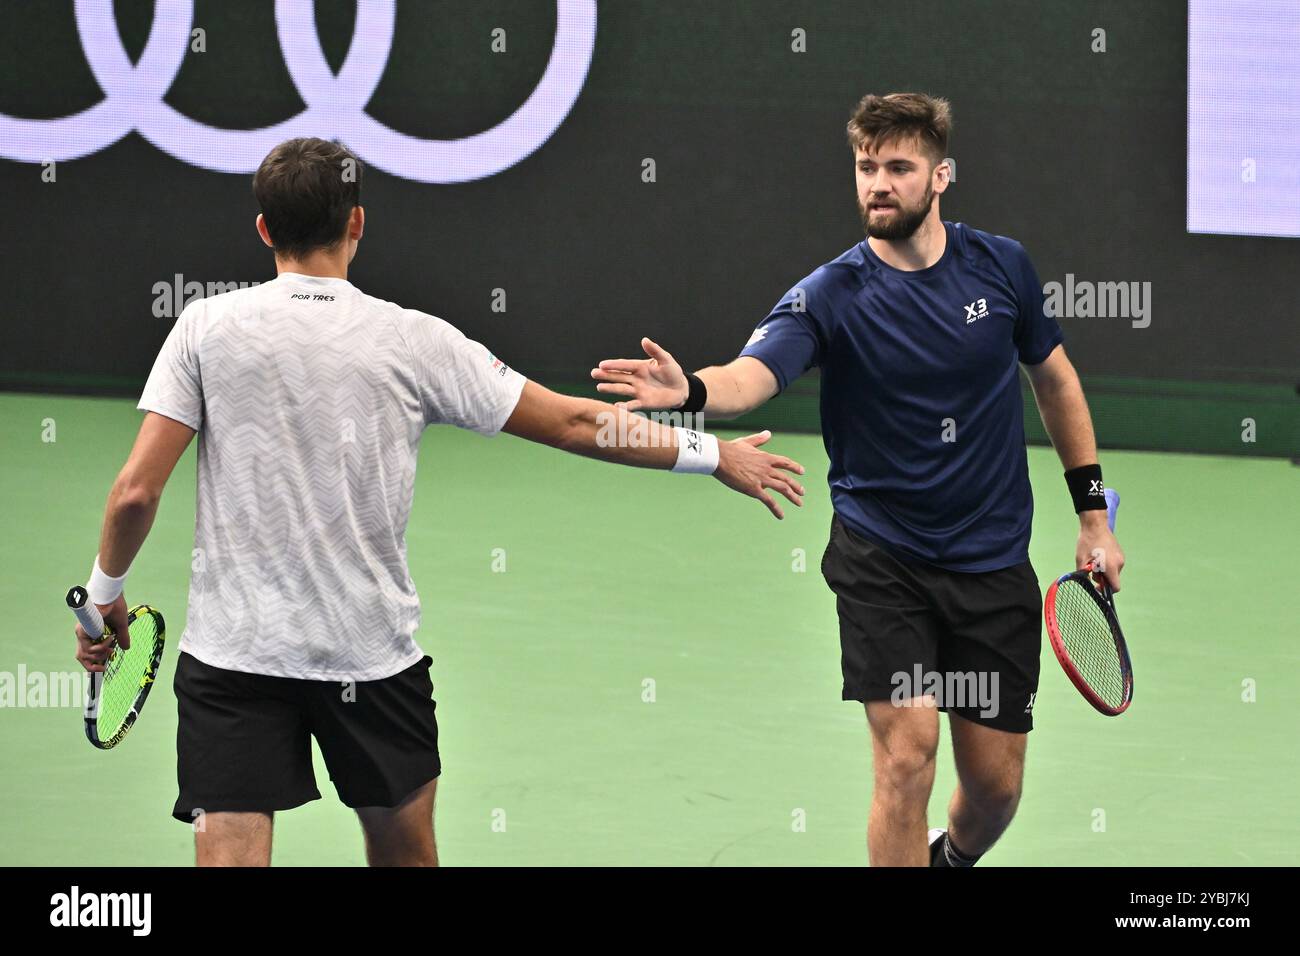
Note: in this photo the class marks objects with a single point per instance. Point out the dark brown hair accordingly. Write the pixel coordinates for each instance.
(878, 120)
(307, 188)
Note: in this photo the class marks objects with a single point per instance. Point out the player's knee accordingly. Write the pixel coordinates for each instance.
(908, 769)
(996, 799)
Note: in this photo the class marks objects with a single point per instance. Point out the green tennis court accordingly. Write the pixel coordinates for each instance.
(638, 668)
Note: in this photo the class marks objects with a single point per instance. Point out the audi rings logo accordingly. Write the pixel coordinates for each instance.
(335, 103)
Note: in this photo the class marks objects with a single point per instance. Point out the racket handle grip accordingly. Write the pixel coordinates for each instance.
(1112, 507)
(91, 620)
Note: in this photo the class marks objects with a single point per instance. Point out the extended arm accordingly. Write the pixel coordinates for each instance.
(612, 433)
(658, 383)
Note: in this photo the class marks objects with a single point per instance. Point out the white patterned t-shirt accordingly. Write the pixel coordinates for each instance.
(309, 398)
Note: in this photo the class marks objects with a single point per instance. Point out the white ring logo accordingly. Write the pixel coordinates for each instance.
(335, 104)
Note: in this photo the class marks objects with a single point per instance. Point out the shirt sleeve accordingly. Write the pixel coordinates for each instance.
(175, 386)
(461, 383)
(788, 341)
(1036, 333)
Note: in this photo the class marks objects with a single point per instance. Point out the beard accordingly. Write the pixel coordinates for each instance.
(901, 224)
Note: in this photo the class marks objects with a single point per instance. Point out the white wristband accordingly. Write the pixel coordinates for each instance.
(697, 452)
(101, 588)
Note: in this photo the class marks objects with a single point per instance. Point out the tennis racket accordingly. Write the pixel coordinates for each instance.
(117, 694)
(1086, 637)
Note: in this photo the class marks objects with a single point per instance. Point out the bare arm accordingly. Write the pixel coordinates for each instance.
(658, 383)
(612, 433)
(1064, 410)
(738, 387)
(128, 516)
(1065, 415)
(133, 502)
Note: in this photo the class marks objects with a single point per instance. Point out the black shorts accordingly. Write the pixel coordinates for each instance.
(911, 630)
(243, 741)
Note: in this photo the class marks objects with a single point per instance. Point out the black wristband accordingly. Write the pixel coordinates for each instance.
(1086, 488)
(696, 395)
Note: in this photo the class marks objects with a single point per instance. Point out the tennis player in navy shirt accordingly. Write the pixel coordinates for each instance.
(920, 332)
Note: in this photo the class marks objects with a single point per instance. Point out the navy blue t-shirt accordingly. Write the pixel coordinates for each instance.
(920, 393)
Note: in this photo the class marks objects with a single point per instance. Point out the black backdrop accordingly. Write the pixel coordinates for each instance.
(1079, 155)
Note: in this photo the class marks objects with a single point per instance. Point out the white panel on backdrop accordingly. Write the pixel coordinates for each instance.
(1243, 117)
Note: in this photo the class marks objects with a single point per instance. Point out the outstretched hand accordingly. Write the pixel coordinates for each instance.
(652, 384)
(744, 467)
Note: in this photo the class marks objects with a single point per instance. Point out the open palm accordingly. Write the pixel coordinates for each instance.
(656, 383)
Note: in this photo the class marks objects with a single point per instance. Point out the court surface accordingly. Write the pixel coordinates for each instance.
(654, 676)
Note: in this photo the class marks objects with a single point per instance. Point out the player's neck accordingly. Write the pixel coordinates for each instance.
(325, 265)
(921, 250)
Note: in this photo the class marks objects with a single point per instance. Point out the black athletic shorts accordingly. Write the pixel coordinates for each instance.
(912, 630)
(243, 741)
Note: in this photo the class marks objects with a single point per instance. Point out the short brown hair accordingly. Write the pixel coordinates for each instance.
(878, 120)
(307, 188)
